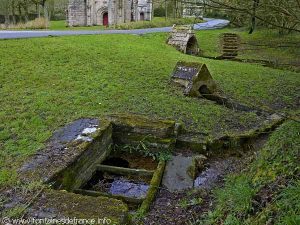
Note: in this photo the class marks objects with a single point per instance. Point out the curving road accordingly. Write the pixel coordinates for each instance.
(208, 25)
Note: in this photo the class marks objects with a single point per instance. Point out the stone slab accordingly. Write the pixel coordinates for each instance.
(54, 204)
(70, 154)
(176, 176)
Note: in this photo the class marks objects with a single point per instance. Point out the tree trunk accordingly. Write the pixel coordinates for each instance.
(20, 13)
(166, 9)
(37, 10)
(26, 14)
(6, 16)
(46, 16)
(13, 12)
(253, 19)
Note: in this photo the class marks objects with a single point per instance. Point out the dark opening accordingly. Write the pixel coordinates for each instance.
(115, 161)
(105, 19)
(142, 16)
(97, 176)
(204, 90)
(132, 17)
(192, 46)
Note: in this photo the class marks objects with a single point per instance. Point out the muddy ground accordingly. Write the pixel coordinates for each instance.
(184, 207)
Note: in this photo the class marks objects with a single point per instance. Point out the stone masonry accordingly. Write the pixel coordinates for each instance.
(184, 39)
(107, 12)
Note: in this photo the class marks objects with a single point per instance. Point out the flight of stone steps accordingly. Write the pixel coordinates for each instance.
(229, 45)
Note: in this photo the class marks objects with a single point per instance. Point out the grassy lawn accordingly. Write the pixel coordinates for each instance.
(62, 25)
(282, 50)
(156, 22)
(48, 82)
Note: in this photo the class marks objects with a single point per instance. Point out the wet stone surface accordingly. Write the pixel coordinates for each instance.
(185, 72)
(75, 130)
(176, 177)
(215, 172)
(129, 188)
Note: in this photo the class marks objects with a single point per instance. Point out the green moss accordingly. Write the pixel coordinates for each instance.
(154, 185)
(85, 207)
(142, 124)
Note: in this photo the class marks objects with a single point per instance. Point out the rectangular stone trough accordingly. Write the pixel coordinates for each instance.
(133, 185)
(81, 160)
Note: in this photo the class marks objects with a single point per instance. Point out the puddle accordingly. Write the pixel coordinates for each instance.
(128, 188)
(124, 176)
(215, 172)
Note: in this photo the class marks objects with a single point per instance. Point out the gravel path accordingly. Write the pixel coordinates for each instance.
(208, 25)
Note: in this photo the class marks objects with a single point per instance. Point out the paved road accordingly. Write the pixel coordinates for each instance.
(209, 24)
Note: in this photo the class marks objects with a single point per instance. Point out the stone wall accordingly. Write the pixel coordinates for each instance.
(97, 10)
(145, 7)
(89, 12)
(77, 14)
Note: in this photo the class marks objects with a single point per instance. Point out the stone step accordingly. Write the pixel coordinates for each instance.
(230, 38)
(230, 43)
(230, 53)
(230, 50)
(230, 35)
(228, 57)
(231, 47)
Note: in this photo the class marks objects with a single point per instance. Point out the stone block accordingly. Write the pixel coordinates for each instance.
(59, 205)
(195, 78)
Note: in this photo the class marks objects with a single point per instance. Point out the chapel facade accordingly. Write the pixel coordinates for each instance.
(107, 12)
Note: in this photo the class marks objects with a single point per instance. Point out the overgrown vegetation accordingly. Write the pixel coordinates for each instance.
(268, 190)
(38, 23)
(156, 22)
(281, 15)
(281, 51)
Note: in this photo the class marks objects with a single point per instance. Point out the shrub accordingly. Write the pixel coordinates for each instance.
(156, 22)
(38, 23)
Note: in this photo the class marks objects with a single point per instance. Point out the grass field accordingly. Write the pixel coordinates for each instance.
(48, 82)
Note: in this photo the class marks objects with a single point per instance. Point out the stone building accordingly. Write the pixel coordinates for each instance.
(107, 12)
(193, 8)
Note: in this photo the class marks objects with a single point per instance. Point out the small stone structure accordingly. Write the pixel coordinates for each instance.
(195, 78)
(107, 12)
(74, 154)
(183, 38)
(230, 45)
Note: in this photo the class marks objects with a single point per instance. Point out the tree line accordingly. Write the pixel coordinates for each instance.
(20, 10)
(283, 14)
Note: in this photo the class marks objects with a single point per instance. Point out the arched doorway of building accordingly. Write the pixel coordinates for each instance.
(105, 19)
(142, 16)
